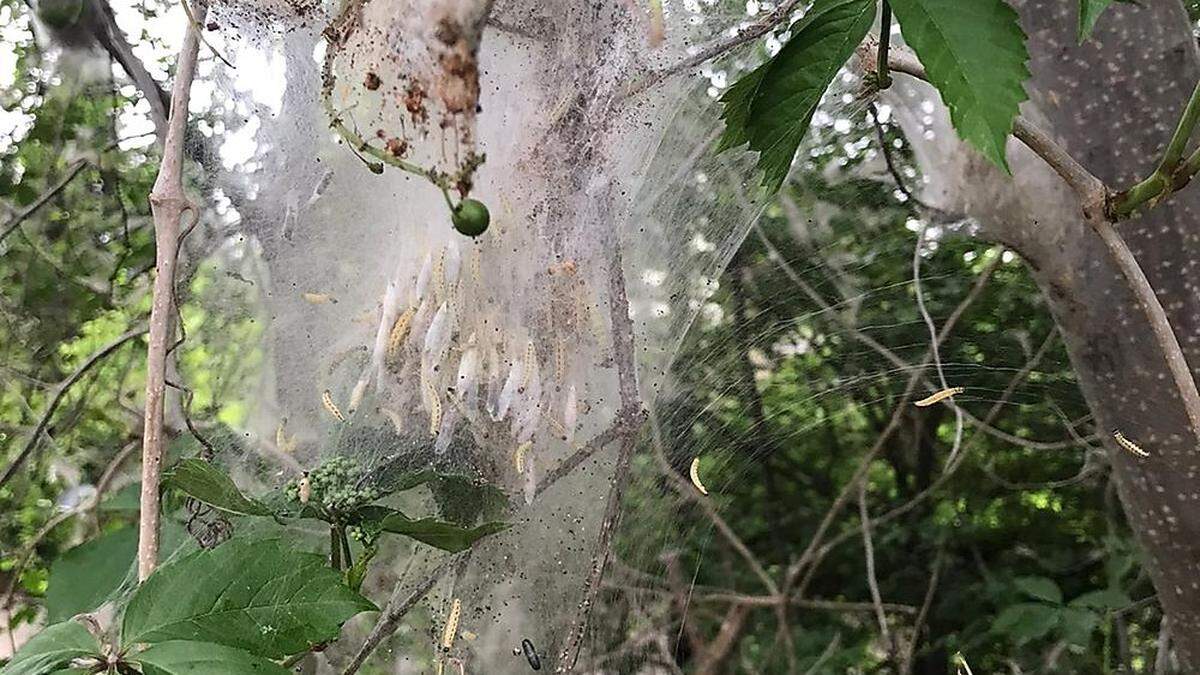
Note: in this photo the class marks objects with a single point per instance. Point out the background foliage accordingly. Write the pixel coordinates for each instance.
(1037, 570)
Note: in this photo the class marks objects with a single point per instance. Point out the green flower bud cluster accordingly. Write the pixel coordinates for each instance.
(333, 485)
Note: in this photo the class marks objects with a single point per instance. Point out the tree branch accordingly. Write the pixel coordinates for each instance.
(59, 393)
(168, 204)
(1094, 198)
(717, 48)
(45, 197)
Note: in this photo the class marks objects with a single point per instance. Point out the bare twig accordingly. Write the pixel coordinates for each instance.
(629, 417)
(168, 204)
(869, 554)
(828, 652)
(717, 48)
(911, 652)
(398, 606)
(59, 393)
(86, 506)
(45, 197)
(1094, 197)
(810, 553)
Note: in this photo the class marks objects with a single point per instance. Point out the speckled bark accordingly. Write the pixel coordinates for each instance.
(1113, 102)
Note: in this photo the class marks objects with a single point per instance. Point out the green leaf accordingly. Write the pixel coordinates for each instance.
(208, 484)
(1078, 625)
(1040, 588)
(180, 657)
(260, 596)
(464, 501)
(1026, 621)
(52, 649)
(84, 577)
(436, 533)
(771, 107)
(1107, 598)
(1089, 13)
(736, 114)
(974, 53)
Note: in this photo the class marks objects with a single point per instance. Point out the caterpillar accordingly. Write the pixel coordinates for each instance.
(319, 298)
(694, 472)
(304, 489)
(477, 265)
(519, 455)
(560, 359)
(398, 335)
(439, 275)
(282, 442)
(939, 396)
(327, 401)
(435, 407)
(451, 625)
(530, 365)
(1128, 445)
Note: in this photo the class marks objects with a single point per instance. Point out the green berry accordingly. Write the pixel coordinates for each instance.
(470, 217)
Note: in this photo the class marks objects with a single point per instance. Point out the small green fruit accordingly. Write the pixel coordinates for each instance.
(470, 217)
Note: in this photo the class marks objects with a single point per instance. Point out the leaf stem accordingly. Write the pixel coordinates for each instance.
(883, 75)
(1172, 173)
(335, 549)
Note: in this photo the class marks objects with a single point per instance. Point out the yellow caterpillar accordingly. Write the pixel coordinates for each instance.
(519, 455)
(1129, 445)
(530, 361)
(327, 401)
(319, 298)
(396, 338)
(939, 396)
(451, 629)
(695, 475)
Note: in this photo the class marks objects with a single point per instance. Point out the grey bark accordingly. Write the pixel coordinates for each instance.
(1113, 103)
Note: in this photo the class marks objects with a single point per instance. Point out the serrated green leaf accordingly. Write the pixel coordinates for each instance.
(1107, 598)
(1026, 621)
(180, 657)
(1039, 588)
(52, 649)
(205, 482)
(259, 596)
(1078, 625)
(436, 533)
(83, 577)
(771, 107)
(737, 100)
(974, 53)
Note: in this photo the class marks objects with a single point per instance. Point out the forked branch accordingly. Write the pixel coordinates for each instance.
(1094, 197)
(168, 203)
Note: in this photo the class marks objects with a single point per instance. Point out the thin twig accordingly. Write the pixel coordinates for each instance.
(930, 591)
(869, 554)
(717, 48)
(630, 418)
(398, 606)
(1094, 197)
(810, 552)
(168, 203)
(59, 393)
(45, 197)
(87, 506)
